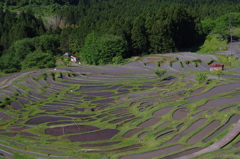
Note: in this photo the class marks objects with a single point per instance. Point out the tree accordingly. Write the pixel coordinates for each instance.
(218, 73)
(201, 77)
(46, 43)
(103, 50)
(15, 54)
(139, 36)
(38, 60)
(160, 72)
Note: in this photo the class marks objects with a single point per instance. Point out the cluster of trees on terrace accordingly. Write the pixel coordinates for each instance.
(108, 31)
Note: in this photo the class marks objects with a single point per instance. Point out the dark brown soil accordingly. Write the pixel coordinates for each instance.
(119, 111)
(204, 132)
(227, 108)
(233, 119)
(23, 101)
(149, 122)
(163, 125)
(212, 111)
(180, 126)
(50, 151)
(28, 134)
(180, 114)
(44, 119)
(103, 101)
(191, 128)
(31, 138)
(2, 115)
(122, 149)
(132, 132)
(43, 82)
(99, 94)
(237, 144)
(99, 144)
(199, 90)
(162, 111)
(37, 95)
(155, 153)
(183, 153)
(50, 80)
(144, 133)
(10, 134)
(121, 119)
(219, 102)
(165, 134)
(105, 134)
(60, 122)
(16, 105)
(19, 128)
(80, 109)
(58, 131)
(8, 118)
(216, 90)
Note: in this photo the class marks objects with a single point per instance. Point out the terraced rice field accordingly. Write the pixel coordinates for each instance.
(120, 111)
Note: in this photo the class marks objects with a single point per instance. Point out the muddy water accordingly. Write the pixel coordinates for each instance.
(215, 91)
(202, 133)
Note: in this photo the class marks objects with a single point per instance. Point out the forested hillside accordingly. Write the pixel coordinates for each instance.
(105, 31)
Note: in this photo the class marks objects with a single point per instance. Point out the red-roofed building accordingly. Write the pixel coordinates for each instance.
(74, 58)
(214, 67)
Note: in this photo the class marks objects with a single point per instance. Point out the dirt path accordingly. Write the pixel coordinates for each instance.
(222, 142)
(29, 152)
(12, 78)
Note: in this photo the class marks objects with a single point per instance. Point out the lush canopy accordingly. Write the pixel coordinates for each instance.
(122, 28)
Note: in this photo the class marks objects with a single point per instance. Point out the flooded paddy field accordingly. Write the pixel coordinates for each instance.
(118, 111)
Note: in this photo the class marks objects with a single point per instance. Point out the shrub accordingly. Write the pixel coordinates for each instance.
(159, 62)
(160, 72)
(4, 102)
(201, 77)
(218, 73)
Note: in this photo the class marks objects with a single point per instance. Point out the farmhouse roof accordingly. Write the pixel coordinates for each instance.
(216, 65)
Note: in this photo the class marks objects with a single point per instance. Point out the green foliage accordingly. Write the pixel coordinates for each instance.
(215, 44)
(38, 60)
(159, 62)
(228, 61)
(144, 26)
(117, 60)
(16, 53)
(38, 52)
(42, 76)
(138, 36)
(160, 72)
(103, 50)
(4, 102)
(47, 43)
(219, 73)
(7, 101)
(201, 77)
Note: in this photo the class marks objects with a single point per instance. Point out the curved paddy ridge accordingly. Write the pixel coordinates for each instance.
(121, 111)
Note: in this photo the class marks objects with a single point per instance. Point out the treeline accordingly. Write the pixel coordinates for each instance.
(38, 2)
(108, 31)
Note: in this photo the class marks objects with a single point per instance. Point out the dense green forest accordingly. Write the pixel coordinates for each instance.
(34, 33)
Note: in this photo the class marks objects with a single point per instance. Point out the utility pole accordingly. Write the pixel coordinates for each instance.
(230, 29)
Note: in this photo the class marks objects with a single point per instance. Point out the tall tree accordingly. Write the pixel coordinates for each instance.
(139, 36)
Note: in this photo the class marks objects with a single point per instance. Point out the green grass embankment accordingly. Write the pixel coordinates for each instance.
(213, 43)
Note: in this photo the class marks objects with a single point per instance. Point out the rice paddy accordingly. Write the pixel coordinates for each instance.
(122, 112)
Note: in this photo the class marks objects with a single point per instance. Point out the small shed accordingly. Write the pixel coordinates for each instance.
(74, 58)
(214, 67)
